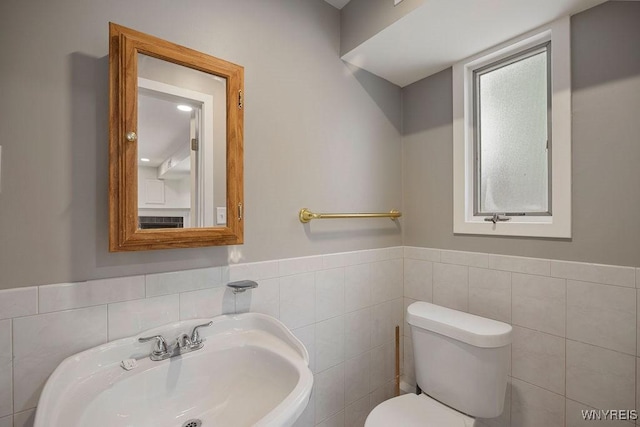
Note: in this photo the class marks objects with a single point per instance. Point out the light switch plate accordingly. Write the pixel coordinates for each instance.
(221, 216)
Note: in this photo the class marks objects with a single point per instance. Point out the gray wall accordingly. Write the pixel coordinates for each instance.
(606, 150)
(318, 133)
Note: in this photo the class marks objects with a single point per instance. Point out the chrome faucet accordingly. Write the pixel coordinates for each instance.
(183, 341)
(183, 344)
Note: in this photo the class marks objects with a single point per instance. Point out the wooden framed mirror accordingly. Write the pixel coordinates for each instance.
(175, 145)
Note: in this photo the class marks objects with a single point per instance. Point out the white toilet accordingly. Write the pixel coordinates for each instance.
(461, 362)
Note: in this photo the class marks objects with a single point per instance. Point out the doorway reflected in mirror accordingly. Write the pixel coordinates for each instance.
(181, 142)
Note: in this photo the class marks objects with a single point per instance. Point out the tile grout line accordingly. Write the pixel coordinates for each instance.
(469, 289)
(542, 388)
(573, 340)
(511, 351)
(106, 316)
(13, 370)
(566, 340)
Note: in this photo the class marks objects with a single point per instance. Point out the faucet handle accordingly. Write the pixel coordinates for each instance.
(183, 341)
(195, 337)
(160, 346)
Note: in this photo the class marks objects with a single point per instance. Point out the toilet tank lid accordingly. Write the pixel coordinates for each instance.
(471, 329)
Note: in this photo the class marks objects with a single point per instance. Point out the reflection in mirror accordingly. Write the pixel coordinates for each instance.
(181, 146)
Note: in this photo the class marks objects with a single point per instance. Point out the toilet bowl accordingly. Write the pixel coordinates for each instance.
(461, 362)
(412, 410)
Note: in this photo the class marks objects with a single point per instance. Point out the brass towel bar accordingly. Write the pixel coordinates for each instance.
(306, 215)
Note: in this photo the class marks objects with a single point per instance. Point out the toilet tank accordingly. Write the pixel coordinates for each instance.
(460, 359)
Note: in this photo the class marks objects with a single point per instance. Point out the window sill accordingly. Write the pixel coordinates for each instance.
(517, 226)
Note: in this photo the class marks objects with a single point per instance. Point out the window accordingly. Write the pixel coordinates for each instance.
(512, 137)
(511, 134)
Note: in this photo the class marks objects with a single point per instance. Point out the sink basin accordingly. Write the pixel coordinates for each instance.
(251, 371)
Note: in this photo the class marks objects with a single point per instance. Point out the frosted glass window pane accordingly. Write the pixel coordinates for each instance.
(512, 123)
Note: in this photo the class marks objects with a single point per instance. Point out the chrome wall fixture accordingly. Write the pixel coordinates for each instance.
(183, 344)
(241, 286)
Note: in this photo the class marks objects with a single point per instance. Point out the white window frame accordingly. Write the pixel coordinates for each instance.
(558, 224)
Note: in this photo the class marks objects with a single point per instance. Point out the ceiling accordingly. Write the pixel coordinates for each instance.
(338, 3)
(162, 129)
(442, 32)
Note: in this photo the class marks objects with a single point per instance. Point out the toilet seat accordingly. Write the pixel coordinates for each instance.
(411, 410)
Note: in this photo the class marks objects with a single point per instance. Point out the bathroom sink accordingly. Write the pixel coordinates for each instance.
(251, 371)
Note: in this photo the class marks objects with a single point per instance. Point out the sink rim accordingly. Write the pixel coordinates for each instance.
(224, 327)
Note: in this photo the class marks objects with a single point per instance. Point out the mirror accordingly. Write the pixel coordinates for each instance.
(181, 146)
(175, 157)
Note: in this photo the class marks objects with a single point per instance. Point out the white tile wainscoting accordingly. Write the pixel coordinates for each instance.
(574, 341)
(343, 307)
(575, 329)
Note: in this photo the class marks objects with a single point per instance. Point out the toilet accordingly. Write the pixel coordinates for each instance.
(461, 363)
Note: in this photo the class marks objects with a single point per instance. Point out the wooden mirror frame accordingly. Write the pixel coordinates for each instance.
(124, 234)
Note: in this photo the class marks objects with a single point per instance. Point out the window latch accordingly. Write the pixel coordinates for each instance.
(495, 218)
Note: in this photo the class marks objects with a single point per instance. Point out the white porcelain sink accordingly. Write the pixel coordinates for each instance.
(251, 371)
